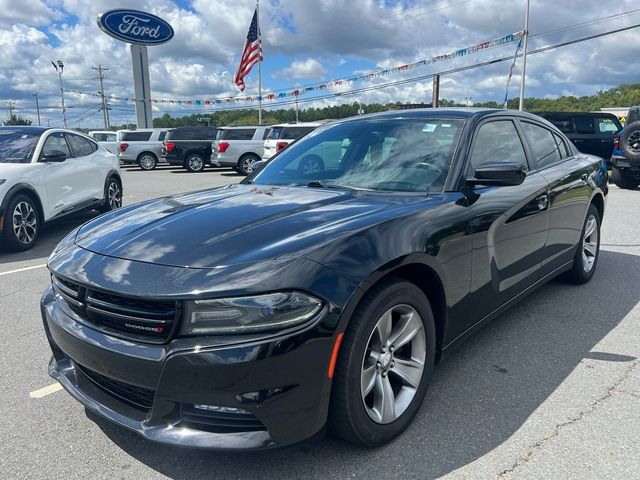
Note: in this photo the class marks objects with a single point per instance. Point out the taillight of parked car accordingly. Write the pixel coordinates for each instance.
(616, 142)
(124, 146)
(281, 146)
(169, 147)
(222, 146)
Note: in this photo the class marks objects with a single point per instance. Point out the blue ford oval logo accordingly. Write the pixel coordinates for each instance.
(134, 26)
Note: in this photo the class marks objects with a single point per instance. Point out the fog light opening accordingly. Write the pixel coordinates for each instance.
(215, 408)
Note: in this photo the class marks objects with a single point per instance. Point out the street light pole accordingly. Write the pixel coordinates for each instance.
(37, 107)
(524, 56)
(59, 70)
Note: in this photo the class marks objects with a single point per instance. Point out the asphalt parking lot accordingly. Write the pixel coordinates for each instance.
(549, 390)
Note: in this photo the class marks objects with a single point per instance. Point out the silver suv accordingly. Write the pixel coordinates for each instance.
(142, 147)
(239, 147)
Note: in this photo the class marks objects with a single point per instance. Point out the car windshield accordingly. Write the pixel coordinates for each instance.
(405, 155)
(17, 146)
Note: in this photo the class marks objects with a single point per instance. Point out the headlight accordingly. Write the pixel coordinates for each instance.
(273, 311)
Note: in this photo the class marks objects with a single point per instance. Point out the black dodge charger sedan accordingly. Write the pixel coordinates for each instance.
(303, 300)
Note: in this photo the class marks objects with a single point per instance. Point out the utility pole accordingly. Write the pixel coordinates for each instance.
(435, 97)
(10, 109)
(524, 56)
(105, 110)
(297, 118)
(59, 70)
(37, 107)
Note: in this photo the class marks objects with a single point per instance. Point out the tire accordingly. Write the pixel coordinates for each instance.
(623, 179)
(22, 223)
(355, 415)
(147, 161)
(194, 163)
(630, 141)
(112, 195)
(245, 164)
(311, 164)
(586, 259)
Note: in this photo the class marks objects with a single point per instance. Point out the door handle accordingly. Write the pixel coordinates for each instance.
(584, 177)
(543, 201)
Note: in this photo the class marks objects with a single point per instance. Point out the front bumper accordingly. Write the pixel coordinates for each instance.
(281, 383)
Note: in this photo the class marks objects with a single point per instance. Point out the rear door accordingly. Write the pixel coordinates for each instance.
(508, 223)
(87, 168)
(569, 192)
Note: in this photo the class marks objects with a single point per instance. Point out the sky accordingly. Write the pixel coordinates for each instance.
(307, 42)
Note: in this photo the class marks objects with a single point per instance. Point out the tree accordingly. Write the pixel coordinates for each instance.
(16, 120)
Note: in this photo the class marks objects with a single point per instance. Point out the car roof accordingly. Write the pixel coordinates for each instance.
(25, 128)
(233, 127)
(575, 114)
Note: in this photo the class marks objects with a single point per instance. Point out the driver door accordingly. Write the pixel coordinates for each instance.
(508, 223)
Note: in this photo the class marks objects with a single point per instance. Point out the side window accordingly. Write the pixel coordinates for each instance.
(607, 125)
(563, 124)
(239, 134)
(497, 142)
(266, 133)
(81, 146)
(545, 149)
(162, 135)
(136, 136)
(56, 142)
(562, 146)
(584, 125)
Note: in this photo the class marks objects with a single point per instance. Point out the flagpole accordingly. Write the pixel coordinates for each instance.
(259, 65)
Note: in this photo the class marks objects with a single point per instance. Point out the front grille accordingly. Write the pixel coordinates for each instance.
(220, 421)
(138, 397)
(134, 318)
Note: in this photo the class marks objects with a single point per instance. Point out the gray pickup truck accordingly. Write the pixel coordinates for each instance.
(141, 147)
(239, 147)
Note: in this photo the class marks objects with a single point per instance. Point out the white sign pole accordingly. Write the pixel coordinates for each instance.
(141, 86)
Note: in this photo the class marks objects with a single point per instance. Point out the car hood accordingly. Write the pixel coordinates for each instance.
(13, 170)
(236, 224)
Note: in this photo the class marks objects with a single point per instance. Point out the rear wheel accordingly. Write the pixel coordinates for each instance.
(147, 161)
(623, 179)
(194, 163)
(112, 195)
(245, 164)
(384, 365)
(586, 257)
(21, 224)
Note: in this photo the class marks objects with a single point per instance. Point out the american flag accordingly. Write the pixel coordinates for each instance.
(251, 54)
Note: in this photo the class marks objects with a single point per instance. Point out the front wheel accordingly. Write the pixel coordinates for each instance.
(194, 163)
(384, 365)
(22, 223)
(586, 256)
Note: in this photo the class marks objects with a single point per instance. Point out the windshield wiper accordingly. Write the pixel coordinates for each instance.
(321, 184)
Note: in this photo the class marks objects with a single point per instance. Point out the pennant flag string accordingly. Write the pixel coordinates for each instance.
(512, 37)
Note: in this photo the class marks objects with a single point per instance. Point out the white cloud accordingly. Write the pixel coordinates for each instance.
(304, 69)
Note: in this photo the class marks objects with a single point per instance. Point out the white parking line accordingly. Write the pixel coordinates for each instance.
(43, 392)
(18, 270)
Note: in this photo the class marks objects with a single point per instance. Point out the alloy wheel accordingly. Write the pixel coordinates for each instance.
(147, 162)
(25, 222)
(590, 243)
(393, 364)
(114, 195)
(195, 163)
(311, 167)
(247, 164)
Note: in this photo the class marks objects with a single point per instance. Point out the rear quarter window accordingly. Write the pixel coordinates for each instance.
(237, 134)
(294, 133)
(136, 136)
(192, 134)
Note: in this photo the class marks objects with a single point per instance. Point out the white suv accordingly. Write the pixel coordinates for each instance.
(282, 135)
(48, 173)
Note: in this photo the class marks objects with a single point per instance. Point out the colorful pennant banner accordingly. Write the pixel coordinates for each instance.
(512, 37)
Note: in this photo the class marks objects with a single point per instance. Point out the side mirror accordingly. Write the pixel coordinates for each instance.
(499, 174)
(54, 156)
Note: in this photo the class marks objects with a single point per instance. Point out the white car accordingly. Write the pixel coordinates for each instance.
(106, 139)
(49, 173)
(283, 134)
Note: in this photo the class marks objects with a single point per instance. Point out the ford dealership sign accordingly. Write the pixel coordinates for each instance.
(134, 26)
